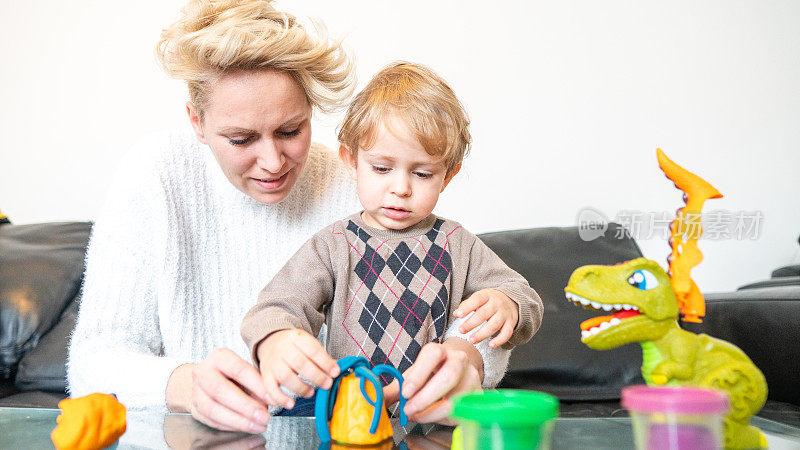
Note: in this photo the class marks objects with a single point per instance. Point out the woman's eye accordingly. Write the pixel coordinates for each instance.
(380, 169)
(242, 141)
(290, 133)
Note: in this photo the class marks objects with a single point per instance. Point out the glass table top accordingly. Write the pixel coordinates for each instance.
(23, 428)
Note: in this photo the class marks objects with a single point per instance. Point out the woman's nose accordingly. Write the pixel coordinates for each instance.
(401, 185)
(270, 156)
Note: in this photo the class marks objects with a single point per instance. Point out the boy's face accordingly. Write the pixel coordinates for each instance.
(398, 181)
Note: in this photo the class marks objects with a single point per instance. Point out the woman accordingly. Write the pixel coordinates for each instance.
(195, 224)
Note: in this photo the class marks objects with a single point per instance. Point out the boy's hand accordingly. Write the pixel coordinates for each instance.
(440, 372)
(493, 307)
(286, 355)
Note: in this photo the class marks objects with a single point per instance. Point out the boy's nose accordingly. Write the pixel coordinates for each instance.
(269, 156)
(401, 185)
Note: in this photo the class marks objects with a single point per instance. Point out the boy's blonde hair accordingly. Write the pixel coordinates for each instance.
(216, 37)
(425, 103)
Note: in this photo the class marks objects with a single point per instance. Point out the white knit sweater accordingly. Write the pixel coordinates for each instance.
(178, 257)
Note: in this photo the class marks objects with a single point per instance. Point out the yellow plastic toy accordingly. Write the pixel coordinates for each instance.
(91, 422)
(385, 445)
(352, 411)
(458, 439)
(352, 415)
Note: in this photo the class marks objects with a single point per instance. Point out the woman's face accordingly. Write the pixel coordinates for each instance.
(258, 125)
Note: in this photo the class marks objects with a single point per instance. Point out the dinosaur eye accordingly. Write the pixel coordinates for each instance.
(643, 279)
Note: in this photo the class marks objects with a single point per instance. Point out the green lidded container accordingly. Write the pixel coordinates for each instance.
(506, 419)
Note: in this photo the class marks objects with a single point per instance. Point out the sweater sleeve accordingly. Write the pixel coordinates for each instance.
(116, 346)
(487, 271)
(495, 360)
(295, 296)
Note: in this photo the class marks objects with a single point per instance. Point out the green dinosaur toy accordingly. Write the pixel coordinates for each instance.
(645, 310)
(646, 303)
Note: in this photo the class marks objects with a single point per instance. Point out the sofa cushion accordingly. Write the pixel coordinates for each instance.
(772, 282)
(787, 271)
(7, 388)
(34, 399)
(44, 368)
(555, 360)
(40, 274)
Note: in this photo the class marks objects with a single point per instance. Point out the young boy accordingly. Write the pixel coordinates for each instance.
(390, 279)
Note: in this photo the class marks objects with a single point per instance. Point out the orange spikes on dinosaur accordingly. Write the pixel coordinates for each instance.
(684, 232)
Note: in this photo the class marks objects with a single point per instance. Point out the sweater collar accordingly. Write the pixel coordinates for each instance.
(418, 229)
(217, 178)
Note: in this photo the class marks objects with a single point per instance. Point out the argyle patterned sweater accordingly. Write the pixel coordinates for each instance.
(385, 293)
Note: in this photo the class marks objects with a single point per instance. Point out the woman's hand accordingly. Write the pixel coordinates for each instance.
(223, 391)
(285, 356)
(440, 372)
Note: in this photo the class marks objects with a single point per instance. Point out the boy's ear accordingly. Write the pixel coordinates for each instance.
(194, 119)
(348, 160)
(450, 176)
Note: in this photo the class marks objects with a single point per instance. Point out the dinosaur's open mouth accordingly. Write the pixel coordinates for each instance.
(597, 324)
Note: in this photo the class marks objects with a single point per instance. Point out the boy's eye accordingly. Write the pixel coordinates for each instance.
(241, 141)
(380, 169)
(292, 133)
(423, 174)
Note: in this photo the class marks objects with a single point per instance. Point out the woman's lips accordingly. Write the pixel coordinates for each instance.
(396, 213)
(271, 184)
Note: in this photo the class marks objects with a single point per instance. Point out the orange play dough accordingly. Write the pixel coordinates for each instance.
(352, 415)
(91, 422)
(385, 445)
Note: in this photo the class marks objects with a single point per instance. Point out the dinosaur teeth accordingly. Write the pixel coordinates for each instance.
(590, 304)
(577, 299)
(602, 327)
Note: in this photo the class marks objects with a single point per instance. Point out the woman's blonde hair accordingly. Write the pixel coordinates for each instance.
(215, 37)
(422, 100)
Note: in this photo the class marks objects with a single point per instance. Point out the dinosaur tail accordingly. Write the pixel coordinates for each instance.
(684, 232)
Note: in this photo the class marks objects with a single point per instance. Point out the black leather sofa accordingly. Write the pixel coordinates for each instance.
(41, 267)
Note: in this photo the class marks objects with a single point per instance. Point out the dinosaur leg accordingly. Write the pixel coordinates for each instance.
(747, 390)
(740, 435)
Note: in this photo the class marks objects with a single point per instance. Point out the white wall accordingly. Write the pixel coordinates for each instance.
(568, 99)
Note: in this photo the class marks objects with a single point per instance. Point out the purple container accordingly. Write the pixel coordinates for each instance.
(676, 418)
